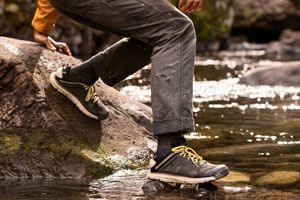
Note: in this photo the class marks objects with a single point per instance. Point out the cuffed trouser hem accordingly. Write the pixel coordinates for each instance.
(183, 125)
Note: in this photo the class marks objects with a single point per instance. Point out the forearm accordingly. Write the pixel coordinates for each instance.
(45, 17)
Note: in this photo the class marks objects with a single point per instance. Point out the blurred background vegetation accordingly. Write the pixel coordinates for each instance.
(220, 23)
(214, 21)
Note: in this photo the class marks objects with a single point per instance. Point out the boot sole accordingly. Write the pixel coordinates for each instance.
(175, 179)
(56, 85)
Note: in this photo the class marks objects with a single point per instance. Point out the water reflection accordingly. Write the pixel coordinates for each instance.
(133, 185)
(227, 90)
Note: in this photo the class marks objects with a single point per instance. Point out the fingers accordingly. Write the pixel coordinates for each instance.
(198, 5)
(189, 6)
(44, 39)
(61, 47)
(41, 38)
(49, 44)
(66, 49)
(182, 3)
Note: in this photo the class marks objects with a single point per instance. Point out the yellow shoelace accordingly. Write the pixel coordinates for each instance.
(189, 153)
(91, 93)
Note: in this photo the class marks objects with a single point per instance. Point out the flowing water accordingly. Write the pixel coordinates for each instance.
(255, 130)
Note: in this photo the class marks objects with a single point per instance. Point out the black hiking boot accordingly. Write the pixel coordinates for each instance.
(184, 166)
(82, 95)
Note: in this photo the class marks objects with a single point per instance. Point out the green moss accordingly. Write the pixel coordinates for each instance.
(50, 149)
(9, 144)
(96, 170)
(97, 166)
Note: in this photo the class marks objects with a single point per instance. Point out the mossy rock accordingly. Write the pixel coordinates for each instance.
(43, 135)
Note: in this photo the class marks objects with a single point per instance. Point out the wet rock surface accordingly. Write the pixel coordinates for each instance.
(218, 191)
(281, 73)
(279, 179)
(288, 45)
(265, 19)
(42, 134)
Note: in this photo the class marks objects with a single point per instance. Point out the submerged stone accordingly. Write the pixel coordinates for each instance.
(279, 178)
(235, 177)
(274, 73)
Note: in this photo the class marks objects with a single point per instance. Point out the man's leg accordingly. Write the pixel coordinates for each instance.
(172, 37)
(112, 66)
(115, 63)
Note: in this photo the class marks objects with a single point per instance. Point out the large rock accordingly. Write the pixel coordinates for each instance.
(288, 45)
(274, 73)
(42, 134)
(266, 14)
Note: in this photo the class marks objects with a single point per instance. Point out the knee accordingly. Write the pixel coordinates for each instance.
(186, 27)
(179, 26)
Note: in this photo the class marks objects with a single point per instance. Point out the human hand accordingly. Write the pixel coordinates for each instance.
(51, 44)
(189, 6)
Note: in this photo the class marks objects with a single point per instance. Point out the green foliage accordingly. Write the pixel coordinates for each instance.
(213, 22)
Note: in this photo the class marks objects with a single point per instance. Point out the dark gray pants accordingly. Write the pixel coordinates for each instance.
(160, 34)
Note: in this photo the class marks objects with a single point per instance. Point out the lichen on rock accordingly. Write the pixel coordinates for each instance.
(9, 144)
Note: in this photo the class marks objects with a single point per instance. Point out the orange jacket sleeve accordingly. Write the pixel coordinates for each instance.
(45, 17)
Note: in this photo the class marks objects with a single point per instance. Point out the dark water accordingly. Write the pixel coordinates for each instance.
(255, 130)
(128, 184)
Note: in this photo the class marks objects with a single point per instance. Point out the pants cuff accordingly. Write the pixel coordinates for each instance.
(184, 125)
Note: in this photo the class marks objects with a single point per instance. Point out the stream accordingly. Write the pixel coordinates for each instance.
(255, 130)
